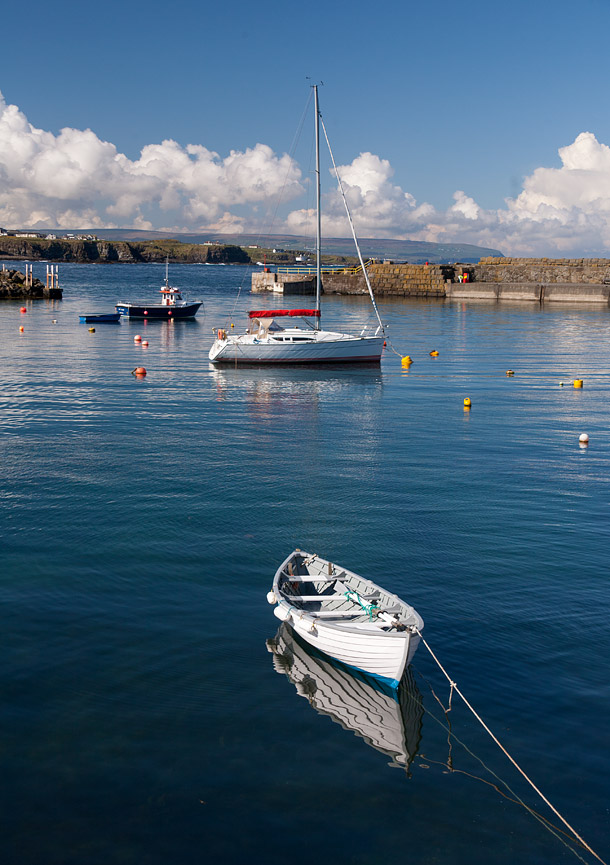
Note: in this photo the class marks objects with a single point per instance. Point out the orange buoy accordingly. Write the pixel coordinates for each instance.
(139, 371)
(137, 338)
(21, 328)
(23, 309)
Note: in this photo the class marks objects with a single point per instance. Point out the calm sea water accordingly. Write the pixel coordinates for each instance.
(143, 720)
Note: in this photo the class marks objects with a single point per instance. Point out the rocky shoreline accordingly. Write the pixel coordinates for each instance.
(13, 286)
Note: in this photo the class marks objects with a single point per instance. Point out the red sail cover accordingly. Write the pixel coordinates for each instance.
(274, 313)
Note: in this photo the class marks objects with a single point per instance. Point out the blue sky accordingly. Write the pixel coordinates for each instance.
(457, 108)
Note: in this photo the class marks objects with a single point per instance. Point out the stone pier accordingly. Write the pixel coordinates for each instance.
(283, 283)
(537, 280)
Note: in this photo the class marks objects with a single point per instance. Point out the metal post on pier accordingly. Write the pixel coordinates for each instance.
(52, 276)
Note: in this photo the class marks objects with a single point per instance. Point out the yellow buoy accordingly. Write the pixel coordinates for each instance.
(577, 382)
(434, 353)
(510, 372)
(467, 402)
(91, 330)
(406, 361)
(232, 325)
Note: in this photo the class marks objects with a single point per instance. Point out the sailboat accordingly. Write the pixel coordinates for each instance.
(268, 341)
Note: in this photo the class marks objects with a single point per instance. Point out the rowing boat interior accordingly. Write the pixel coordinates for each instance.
(322, 589)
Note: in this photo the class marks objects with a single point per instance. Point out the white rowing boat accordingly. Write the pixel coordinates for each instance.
(346, 616)
(389, 720)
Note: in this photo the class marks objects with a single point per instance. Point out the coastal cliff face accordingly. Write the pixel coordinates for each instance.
(102, 251)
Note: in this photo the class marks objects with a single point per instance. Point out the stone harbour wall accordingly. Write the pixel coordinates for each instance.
(399, 280)
(578, 280)
(545, 271)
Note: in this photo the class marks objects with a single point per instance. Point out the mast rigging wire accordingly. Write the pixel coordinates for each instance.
(351, 225)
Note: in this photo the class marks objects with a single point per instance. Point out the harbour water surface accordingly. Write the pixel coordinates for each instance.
(143, 718)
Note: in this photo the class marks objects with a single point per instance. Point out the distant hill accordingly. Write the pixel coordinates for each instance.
(413, 251)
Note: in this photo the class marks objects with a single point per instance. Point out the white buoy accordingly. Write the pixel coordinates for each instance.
(584, 438)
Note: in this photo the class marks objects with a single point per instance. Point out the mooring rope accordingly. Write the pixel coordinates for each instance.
(455, 688)
(556, 831)
(369, 609)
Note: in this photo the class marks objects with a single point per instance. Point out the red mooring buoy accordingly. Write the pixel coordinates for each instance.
(139, 371)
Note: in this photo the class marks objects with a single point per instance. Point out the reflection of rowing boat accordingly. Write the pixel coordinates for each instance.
(388, 719)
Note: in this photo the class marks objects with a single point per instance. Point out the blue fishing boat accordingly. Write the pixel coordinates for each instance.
(100, 317)
(172, 305)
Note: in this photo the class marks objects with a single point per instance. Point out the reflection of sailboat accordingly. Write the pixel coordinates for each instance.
(266, 341)
(388, 719)
(304, 382)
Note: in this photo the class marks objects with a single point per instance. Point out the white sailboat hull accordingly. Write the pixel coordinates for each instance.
(341, 348)
(317, 599)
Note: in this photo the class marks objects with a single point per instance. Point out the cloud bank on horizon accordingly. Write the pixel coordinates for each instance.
(76, 180)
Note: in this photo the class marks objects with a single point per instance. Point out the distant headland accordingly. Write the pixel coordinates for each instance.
(130, 245)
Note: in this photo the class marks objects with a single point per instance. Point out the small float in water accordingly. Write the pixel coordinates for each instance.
(346, 616)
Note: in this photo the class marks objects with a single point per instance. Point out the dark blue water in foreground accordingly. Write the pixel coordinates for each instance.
(141, 523)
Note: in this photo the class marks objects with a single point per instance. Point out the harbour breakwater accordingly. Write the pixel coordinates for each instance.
(522, 279)
(15, 285)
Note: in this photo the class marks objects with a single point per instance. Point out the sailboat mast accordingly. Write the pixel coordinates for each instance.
(318, 214)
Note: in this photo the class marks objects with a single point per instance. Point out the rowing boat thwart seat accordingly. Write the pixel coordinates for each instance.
(316, 578)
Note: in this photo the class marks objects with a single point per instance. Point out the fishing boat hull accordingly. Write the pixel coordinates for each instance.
(345, 349)
(157, 311)
(379, 640)
(388, 720)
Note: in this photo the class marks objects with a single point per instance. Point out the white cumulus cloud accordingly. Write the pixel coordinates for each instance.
(562, 211)
(74, 179)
